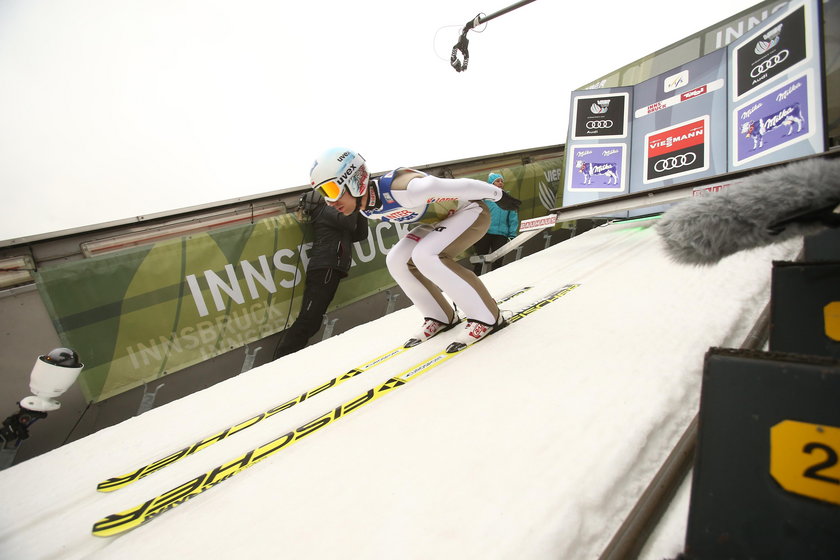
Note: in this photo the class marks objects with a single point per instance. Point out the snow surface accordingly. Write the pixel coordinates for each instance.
(534, 445)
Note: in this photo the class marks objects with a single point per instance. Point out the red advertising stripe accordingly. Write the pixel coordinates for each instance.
(679, 138)
(693, 93)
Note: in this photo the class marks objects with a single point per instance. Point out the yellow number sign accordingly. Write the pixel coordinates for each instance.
(831, 315)
(805, 459)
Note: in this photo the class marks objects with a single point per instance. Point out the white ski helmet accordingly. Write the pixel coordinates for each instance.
(337, 170)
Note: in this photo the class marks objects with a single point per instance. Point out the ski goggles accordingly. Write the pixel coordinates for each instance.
(330, 190)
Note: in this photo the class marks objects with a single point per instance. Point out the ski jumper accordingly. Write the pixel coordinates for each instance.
(451, 217)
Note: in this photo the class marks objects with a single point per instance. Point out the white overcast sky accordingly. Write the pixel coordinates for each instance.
(111, 109)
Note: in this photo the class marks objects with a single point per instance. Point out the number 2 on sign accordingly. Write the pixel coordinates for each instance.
(831, 460)
(804, 459)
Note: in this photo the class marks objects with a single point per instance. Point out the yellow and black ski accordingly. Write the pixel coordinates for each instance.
(117, 523)
(117, 482)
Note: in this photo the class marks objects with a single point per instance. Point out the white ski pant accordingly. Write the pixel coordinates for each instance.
(423, 264)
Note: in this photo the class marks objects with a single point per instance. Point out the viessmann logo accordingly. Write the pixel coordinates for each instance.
(677, 150)
(677, 139)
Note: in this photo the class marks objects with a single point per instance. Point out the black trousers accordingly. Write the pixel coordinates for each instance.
(486, 245)
(319, 291)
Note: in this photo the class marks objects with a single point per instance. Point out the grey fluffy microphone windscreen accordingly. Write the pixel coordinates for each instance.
(768, 207)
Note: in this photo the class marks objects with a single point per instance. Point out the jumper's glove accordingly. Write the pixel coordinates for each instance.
(508, 202)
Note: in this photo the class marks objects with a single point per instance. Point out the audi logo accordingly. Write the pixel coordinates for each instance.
(774, 60)
(592, 125)
(674, 162)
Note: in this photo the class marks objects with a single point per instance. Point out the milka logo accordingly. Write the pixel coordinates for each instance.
(746, 114)
(600, 107)
(588, 170)
(784, 95)
(769, 40)
(789, 116)
(609, 153)
(774, 121)
(347, 173)
(583, 153)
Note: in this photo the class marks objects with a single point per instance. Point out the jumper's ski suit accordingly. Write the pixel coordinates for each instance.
(451, 218)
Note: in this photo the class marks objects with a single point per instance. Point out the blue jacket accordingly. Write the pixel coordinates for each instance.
(502, 222)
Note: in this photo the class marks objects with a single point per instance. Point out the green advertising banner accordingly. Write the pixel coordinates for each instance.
(139, 314)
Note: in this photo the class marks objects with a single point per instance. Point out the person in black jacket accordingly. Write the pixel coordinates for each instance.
(329, 262)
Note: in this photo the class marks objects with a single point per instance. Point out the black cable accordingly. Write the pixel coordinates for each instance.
(76, 425)
(305, 211)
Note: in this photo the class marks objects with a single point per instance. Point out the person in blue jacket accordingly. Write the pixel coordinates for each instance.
(448, 216)
(504, 226)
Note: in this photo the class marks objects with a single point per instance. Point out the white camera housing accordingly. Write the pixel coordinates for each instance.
(47, 381)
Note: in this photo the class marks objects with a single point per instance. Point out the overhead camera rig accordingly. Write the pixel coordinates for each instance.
(460, 57)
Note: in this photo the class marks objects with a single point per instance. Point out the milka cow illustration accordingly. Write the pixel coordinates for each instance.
(789, 116)
(588, 169)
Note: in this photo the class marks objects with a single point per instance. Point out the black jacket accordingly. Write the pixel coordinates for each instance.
(335, 234)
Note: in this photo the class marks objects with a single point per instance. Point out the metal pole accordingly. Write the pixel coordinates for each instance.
(147, 401)
(392, 301)
(250, 357)
(501, 12)
(329, 326)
